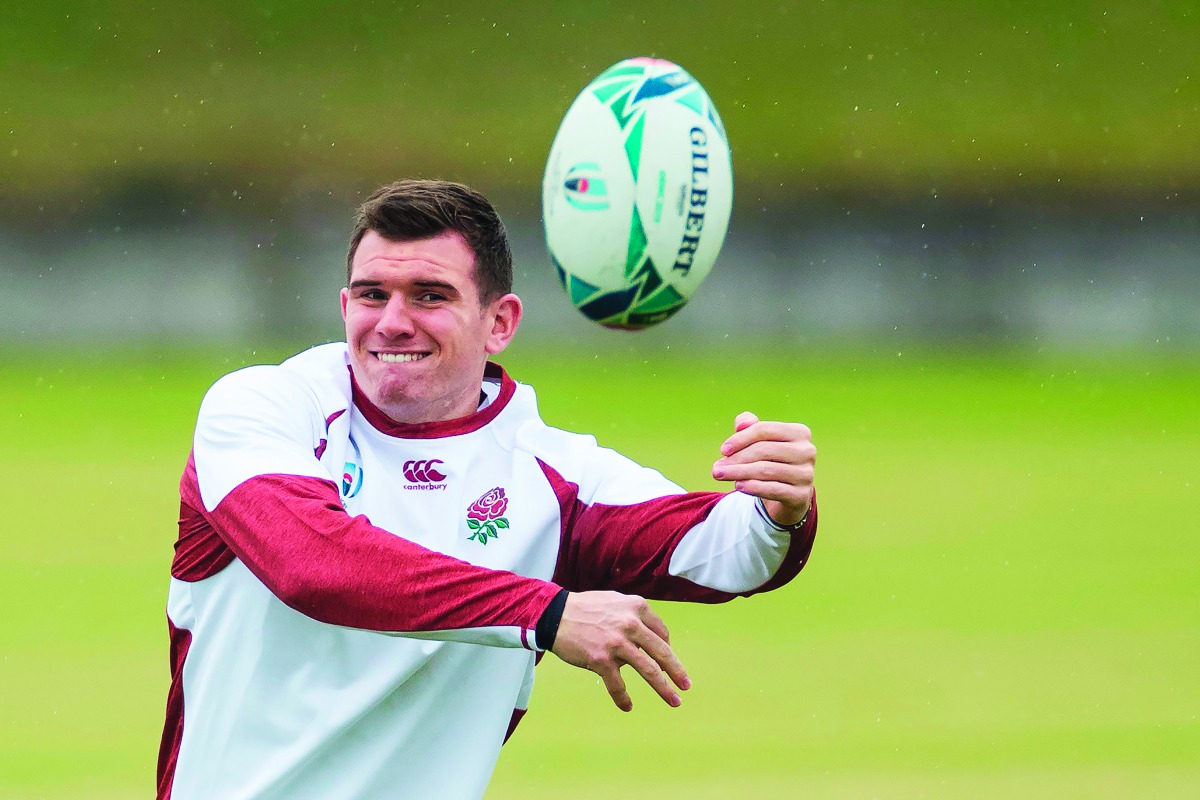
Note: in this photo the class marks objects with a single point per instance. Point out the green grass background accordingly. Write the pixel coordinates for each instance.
(1002, 601)
(924, 98)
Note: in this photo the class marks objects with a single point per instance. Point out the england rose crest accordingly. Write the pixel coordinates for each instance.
(486, 516)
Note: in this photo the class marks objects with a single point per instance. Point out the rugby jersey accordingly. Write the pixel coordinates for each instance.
(353, 601)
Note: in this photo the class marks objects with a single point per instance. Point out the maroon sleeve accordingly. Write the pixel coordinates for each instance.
(296, 538)
(628, 548)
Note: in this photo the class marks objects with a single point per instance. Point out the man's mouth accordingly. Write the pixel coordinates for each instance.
(399, 358)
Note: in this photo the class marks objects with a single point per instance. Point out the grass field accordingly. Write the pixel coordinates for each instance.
(1002, 602)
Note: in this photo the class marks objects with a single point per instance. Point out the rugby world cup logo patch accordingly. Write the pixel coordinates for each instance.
(424, 474)
(352, 474)
(486, 517)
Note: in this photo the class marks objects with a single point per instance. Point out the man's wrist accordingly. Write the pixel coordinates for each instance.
(547, 625)
(761, 507)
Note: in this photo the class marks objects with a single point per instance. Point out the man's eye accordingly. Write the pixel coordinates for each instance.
(431, 297)
(373, 294)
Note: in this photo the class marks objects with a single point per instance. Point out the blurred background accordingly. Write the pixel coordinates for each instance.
(965, 249)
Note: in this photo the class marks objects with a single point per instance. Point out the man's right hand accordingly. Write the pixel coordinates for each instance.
(604, 631)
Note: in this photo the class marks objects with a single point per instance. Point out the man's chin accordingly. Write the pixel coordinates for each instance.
(387, 376)
(391, 391)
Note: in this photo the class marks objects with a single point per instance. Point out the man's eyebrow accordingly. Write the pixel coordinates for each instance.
(366, 283)
(436, 285)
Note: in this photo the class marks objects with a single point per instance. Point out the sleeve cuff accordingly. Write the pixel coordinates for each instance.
(793, 528)
(547, 625)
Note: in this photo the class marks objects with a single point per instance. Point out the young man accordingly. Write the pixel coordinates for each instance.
(376, 538)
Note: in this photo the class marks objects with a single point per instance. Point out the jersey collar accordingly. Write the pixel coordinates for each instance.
(436, 430)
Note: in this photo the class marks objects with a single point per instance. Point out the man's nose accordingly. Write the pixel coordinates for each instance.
(396, 319)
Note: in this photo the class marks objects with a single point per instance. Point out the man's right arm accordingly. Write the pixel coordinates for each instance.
(257, 482)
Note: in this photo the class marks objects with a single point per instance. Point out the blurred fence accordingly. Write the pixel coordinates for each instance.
(1007, 274)
(169, 175)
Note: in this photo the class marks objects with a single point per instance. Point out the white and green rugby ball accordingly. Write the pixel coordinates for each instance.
(637, 193)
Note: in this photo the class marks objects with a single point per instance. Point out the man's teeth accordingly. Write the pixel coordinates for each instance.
(400, 358)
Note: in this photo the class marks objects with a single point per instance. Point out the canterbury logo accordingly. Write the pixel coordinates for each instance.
(424, 471)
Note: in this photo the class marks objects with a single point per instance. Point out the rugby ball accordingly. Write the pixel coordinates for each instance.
(637, 193)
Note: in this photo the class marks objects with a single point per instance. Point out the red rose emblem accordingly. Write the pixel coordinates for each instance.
(491, 506)
(485, 517)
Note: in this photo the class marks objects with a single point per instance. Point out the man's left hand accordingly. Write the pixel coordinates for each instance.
(774, 461)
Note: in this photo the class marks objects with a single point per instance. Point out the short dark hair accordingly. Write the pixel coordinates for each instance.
(409, 210)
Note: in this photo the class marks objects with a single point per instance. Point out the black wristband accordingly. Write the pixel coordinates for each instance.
(547, 624)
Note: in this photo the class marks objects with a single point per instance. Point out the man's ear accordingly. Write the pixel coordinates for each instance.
(505, 316)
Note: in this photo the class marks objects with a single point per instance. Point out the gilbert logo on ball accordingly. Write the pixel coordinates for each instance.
(637, 193)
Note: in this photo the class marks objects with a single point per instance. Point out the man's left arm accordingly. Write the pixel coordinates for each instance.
(628, 530)
(703, 546)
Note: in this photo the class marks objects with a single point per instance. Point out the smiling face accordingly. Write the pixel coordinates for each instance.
(418, 333)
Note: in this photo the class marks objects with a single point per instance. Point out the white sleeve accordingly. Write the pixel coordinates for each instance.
(630, 529)
(736, 548)
(256, 421)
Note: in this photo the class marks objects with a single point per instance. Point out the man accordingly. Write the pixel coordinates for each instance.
(376, 538)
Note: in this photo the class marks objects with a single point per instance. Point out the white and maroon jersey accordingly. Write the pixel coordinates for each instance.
(353, 602)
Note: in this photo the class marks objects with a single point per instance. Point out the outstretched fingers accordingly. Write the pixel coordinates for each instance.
(604, 631)
(611, 675)
(655, 645)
